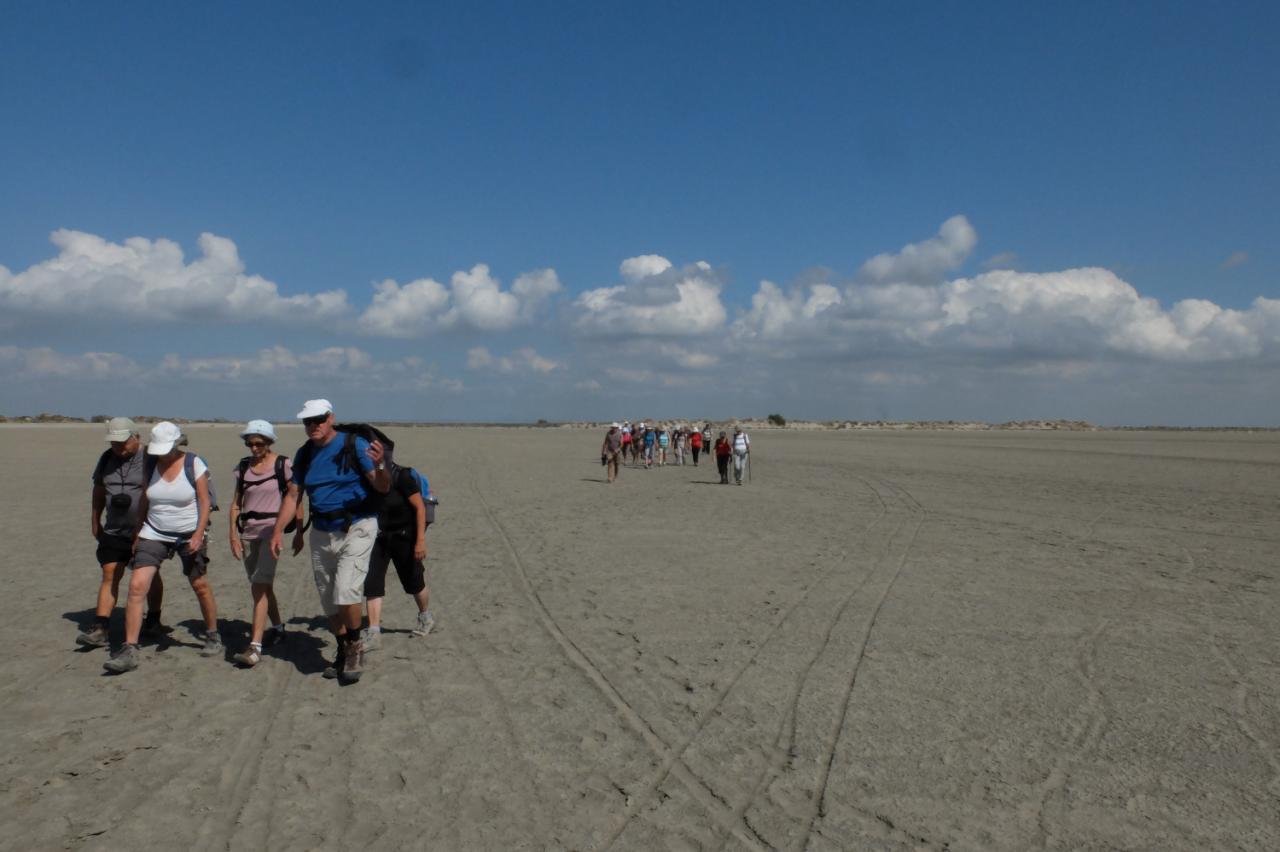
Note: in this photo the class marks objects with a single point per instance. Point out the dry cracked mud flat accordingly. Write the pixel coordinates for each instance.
(883, 641)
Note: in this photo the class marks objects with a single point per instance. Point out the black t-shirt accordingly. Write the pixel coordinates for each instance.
(398, 514)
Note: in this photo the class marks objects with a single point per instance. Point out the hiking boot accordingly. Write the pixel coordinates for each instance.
(124, 660)
(95, 637)
(335, 668)
(248, 658)
(426, 621)
(371, 640)
(212, 645)
(354, 666)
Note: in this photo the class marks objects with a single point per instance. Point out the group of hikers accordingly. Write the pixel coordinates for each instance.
(366, 512)
(652, 444)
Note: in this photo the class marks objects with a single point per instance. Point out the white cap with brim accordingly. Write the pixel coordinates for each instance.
(121, 429)
(259, 427)
(163, 436)
(315, 408)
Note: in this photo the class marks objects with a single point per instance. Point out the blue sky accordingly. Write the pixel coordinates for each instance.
(996, 158)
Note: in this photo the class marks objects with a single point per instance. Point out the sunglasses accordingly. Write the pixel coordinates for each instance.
(314, 421)
(254, 445)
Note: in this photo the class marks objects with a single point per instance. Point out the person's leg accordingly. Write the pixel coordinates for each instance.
(139, 584)
(109, 589)
(260, 592)
(375, 582)
(352, 571)
(155, 599)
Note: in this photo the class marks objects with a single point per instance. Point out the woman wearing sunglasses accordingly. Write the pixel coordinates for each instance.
(262, 478)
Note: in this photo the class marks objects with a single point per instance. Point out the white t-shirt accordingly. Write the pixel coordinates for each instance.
(172, 506)
(740, 443)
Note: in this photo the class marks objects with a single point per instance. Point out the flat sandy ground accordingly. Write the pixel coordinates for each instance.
(884, 641)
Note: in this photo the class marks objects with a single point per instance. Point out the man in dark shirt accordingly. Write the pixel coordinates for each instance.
(402, 541)
(118, 484)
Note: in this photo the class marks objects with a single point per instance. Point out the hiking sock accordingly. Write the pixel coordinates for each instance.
(375, 628)
(102, 620)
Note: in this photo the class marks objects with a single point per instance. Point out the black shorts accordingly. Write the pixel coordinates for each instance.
(395, 548)
(114, 548)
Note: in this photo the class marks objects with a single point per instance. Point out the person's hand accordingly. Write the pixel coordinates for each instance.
(420, 550)
(276, 545)
(298, 541)
(193, 544)
(237, 549)
(376, 452)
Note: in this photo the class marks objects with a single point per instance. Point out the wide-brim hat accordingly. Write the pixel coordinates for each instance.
(259, 427)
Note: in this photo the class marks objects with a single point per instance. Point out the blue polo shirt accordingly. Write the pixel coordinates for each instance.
(329, 488)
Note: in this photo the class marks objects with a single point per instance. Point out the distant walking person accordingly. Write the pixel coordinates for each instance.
(741, 453)
(118, 482)
(176, 505)
(262, 480)
(344, 477)
(695, 445)
(724, 449)
(611, 451)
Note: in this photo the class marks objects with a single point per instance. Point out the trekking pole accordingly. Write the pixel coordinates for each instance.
(750, 465)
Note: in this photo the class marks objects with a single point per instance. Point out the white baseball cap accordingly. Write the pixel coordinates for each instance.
(163, 436)
(259, 427)
(315, 408)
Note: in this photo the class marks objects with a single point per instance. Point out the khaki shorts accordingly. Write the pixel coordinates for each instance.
(340, 563)
(259, 564)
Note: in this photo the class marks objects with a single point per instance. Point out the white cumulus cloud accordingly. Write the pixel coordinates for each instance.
(656, 300)
(925, 262)
(151, 279)
(474, 299)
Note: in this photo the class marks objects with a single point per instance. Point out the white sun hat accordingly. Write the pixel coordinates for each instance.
(259, 427)
(163, 436)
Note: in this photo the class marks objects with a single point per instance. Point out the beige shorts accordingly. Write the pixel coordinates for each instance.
(340, 563)
(259, 564)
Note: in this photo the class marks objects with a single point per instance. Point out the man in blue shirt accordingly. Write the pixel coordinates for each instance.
(345, 494)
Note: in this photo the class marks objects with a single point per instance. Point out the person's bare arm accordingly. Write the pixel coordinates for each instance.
(420, 516)
(290, 506)
(202, 521)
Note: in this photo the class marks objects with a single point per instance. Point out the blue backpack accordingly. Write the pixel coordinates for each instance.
(424, 488)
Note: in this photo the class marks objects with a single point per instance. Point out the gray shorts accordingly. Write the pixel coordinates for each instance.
(154, 553)
(340, 563)
(259, 564)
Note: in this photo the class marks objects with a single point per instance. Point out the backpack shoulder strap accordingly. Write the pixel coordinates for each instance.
(189, 467)
(280, 480)
(241, 470)
(301, 462)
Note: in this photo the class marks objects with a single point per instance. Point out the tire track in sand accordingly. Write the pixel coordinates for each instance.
(240, 772)
(650, 789)
(836, 732)
(659, 747)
